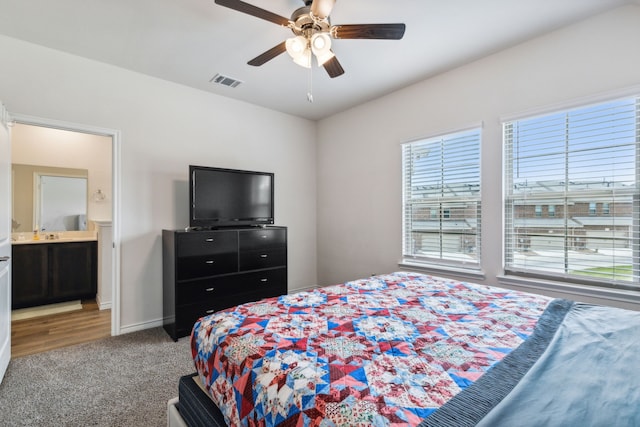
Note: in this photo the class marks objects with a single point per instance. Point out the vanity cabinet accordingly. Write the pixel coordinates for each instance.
(46, 273)
(29, 275)
(207, 271)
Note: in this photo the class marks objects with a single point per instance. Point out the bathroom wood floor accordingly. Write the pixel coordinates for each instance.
(44, 333)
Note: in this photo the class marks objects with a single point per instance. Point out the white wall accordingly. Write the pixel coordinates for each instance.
(164, 128)
(359, 162)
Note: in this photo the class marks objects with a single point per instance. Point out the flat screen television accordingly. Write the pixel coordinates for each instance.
(229, 198)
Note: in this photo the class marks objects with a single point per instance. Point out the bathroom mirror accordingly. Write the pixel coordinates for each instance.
(49, 198)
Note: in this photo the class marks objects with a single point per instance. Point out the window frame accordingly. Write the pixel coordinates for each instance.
(445, 210)
(602, 208)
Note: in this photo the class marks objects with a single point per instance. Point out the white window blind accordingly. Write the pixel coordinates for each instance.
(582, 168)
(441, 200)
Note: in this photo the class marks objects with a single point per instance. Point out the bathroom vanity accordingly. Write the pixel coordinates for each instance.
(52, 271)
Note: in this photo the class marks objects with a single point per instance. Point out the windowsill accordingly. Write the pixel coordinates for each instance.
(623, 298)
(438, 269)
(575, 290)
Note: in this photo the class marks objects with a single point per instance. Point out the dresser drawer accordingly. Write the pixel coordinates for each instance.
(264, 258)
(273, 280)
(208, 265)
(205, 290)
(224, 288)
(249, 287)
(206, 243)
(187, 315)
(262, 238)
(267, 291)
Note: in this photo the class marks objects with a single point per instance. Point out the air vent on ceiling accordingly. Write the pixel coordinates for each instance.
(224, 80)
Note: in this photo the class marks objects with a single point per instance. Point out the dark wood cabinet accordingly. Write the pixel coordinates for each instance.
(46, 273)
(207, 271)
(29, 275)
(74, 272)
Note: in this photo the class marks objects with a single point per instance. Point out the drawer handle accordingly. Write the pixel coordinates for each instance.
(209, 311)
(210, 261)
(264, 256)
(264, 280)
(4, 258)
(210, 239)
(210, 289)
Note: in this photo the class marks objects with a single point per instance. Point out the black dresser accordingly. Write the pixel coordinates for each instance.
(207, 271)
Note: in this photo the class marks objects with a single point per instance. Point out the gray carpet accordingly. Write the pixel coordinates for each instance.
(117, 381)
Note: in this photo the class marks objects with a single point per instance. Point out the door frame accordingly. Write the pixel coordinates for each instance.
(5, 244)
(115, 214)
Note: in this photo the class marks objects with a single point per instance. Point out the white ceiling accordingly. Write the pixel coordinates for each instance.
(189, 41)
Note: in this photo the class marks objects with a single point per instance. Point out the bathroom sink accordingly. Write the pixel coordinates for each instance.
(61, 237)
(73, 239)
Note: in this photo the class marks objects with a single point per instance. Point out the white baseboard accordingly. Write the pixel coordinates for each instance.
(126, 329)
(103, 305)
(307, 289)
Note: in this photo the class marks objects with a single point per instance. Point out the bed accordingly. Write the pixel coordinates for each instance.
(408, 349)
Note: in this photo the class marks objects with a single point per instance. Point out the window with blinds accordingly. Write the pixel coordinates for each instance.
(571, 196)
(441, 200)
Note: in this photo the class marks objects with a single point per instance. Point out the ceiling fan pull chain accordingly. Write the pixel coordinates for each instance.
(310, 83)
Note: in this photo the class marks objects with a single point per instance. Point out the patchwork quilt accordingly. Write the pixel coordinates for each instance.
(388, 350)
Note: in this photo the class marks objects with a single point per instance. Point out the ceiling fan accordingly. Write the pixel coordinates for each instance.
(313, 32)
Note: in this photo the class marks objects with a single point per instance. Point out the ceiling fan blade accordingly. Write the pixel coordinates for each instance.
(322, 8)
(268, 55)
(333, 67)
(250, 9)
(368, 31)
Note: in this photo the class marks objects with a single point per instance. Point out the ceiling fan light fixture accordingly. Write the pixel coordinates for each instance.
(321, 48)
(320, 42)
(296, 46)
(313, 32)
(304, 59)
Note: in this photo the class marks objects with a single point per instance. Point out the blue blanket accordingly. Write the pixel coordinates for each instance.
(586, 375)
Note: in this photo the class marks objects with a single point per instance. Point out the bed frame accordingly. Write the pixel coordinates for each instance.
(193, 407)
(173, 415)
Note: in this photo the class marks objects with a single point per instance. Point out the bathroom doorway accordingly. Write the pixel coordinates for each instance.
(53, 145)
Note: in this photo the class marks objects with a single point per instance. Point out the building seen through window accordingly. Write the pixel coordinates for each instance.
(441, 188)
(571, 194)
